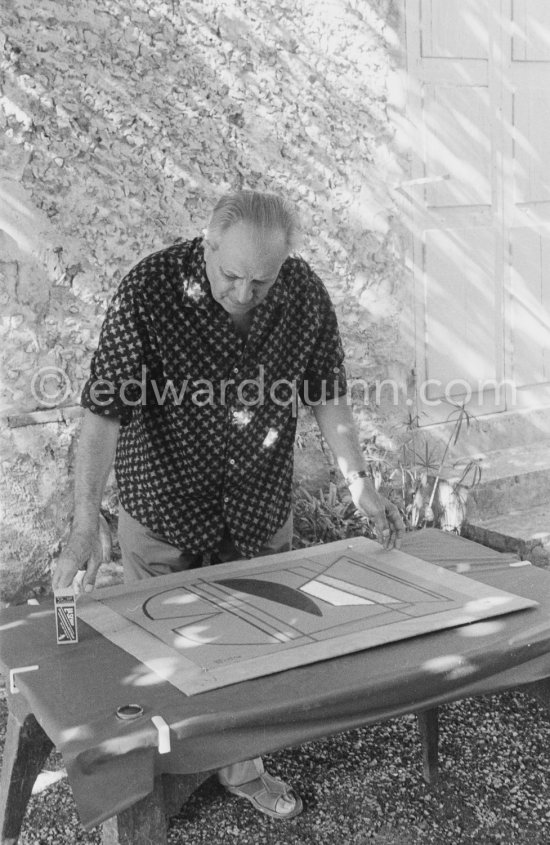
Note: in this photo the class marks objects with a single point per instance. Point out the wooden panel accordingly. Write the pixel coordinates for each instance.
(452, 71)
(530, 307)
(457, 141)
(482, 216)
(460, 306)
(521, 76)
(531, 39)
(531, 134)
(452, 29)
(532, 216)
(545, 310)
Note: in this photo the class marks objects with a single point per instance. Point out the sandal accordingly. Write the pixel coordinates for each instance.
(269, 795)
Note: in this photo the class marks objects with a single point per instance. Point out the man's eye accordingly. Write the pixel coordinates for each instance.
(257, 282)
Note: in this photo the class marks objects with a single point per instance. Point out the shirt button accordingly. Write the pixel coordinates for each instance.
(232, 461)
(226, 498)
(235, 370)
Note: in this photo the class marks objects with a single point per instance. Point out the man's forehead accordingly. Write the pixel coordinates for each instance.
(243, 243)
(252, 253)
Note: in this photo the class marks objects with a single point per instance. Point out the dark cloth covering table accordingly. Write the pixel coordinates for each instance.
(111, 764)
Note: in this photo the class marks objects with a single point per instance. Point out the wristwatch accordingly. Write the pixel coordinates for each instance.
(353, 476)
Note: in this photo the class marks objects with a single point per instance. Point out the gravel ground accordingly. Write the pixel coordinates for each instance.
(365, 786)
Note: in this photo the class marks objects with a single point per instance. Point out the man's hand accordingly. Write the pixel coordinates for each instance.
(387, 520)
(82, 553)
(335, 421)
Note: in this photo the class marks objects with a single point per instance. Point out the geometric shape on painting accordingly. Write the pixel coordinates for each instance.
(229, 630)
(356, 590)
(172, 604)
(333, 595)
(272, 591)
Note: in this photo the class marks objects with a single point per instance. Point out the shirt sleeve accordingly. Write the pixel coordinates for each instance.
(116, 383)
(325, 377)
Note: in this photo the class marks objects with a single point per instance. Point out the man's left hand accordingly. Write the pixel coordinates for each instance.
(393, 533)
(389, 525)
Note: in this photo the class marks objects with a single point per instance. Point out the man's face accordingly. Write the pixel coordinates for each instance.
(243, 266)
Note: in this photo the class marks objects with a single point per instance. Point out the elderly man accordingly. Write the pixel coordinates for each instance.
(192, 392)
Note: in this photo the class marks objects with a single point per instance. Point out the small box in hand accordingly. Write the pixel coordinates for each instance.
(65, 616)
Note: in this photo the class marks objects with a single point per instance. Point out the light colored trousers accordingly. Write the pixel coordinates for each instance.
(145, 554)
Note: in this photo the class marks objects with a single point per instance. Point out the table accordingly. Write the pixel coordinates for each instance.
(70, 702)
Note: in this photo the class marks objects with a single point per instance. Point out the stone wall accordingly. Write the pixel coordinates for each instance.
(122, 122)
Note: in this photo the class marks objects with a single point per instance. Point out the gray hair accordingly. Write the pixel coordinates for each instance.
(265, 211)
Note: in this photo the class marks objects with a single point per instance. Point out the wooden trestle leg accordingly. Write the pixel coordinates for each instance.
(145, 823)
(428, 725)
(25, 752)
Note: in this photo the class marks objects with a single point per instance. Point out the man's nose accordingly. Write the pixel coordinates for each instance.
(243, 290)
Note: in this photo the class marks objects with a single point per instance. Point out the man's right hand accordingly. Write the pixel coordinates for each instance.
(82, 553)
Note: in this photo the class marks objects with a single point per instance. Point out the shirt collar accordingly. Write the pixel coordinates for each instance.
(196, 287)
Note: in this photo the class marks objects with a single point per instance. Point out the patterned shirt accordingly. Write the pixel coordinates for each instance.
(208, 420)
